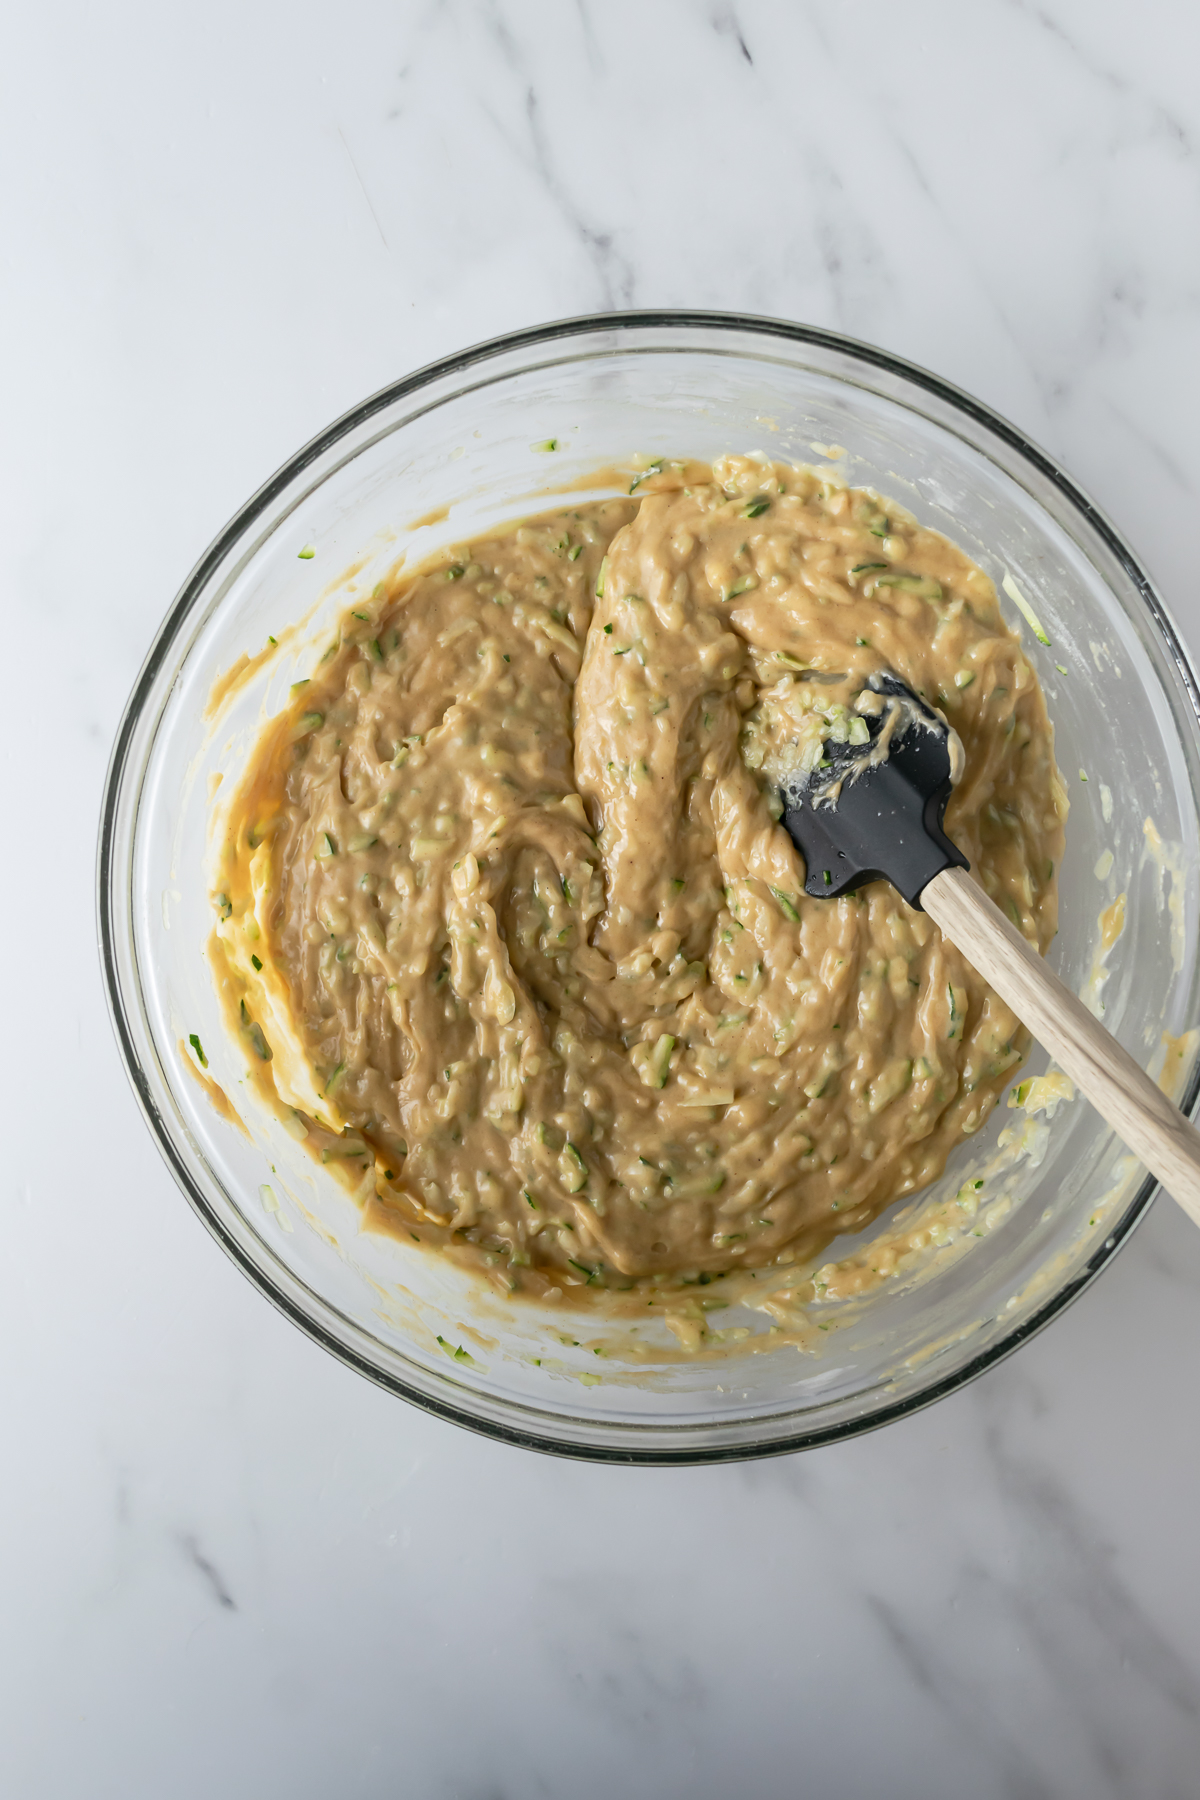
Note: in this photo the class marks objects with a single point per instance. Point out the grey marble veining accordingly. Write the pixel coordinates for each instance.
(231, 1567)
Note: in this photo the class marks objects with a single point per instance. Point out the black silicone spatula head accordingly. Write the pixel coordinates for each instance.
(873, 809)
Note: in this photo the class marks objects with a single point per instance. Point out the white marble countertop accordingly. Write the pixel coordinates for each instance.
(231, 1567)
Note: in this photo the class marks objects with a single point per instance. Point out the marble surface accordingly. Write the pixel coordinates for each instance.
(231, 1567)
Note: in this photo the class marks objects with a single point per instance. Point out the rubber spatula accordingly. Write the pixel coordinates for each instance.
(873, 811)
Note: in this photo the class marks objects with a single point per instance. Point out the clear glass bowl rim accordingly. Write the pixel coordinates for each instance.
(114, 876)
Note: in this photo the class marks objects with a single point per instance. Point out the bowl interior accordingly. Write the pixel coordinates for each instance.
(1058, 1196)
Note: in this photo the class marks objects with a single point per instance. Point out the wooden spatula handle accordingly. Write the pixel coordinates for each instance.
(1121, 1092)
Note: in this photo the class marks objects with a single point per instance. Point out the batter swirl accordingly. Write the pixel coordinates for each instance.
(508, 920)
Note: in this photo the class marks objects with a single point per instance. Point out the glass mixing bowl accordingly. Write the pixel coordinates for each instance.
(468, 435)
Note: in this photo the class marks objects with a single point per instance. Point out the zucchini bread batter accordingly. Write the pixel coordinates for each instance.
(507, 918)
